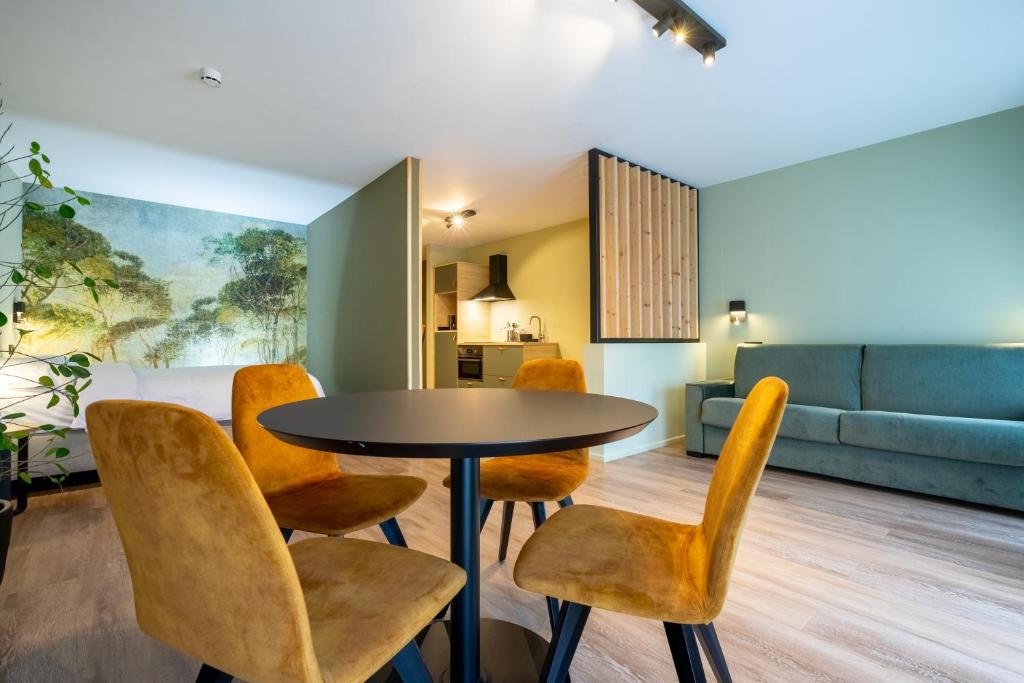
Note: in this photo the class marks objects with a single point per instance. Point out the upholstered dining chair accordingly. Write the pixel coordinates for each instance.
(647, 567)
(535, 479)
(213, 578)
(306, 489)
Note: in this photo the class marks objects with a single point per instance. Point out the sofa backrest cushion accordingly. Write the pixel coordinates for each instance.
(817, 374)
(982, 381)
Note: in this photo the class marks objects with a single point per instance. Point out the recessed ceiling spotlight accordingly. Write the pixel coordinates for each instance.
(686, 26)
(210, 77)
(458, 219)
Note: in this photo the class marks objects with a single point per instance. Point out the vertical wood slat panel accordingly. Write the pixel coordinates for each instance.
(636, 324)
(623, 255)
(645, 257)
(610, 245)
(692, 333)
(666, 261)
(677, 244)
(657, 309)
(684, 257)
(647, 229)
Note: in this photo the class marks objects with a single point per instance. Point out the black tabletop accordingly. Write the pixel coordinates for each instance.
(457, 423)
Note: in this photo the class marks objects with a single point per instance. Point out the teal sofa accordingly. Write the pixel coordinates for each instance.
(945, 420)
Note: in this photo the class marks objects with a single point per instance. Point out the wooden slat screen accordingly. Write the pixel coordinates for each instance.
(643, 254)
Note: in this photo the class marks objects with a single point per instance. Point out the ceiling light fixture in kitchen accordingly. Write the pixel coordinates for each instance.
(458, 219)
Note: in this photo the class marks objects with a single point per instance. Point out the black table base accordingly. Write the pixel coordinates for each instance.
(509, 653)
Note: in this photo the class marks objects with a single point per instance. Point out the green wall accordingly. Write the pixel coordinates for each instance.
(363, 319)
(918, 239)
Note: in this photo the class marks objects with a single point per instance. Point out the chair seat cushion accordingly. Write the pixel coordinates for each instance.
(997, 442)
(345, 503)
(620, 561)
(532, 478)
(807, 423)
(367, 600)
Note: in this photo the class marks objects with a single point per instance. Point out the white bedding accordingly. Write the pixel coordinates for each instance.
(206, 389)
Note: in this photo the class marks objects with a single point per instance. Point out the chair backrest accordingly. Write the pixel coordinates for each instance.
(736, 476)
(276, 465)
(554, 374)
(210, 571)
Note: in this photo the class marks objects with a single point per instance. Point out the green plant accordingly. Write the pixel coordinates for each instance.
(69, 374)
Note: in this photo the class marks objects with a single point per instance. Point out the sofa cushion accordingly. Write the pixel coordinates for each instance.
(817, 374)
(997, 442)
(809, 423)
(983, 381)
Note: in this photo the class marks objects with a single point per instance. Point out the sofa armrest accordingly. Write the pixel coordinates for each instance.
(696, 394)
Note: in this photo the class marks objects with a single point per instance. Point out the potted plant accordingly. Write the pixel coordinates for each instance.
(63, 377)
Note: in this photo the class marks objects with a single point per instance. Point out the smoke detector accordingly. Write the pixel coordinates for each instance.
(210, 77)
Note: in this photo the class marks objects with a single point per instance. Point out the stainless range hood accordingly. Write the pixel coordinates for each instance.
(498, 289)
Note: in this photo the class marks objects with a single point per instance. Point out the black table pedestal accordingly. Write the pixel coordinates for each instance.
(465, 547)
(509, 653)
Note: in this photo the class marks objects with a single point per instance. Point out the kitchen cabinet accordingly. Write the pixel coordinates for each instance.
(446, 363)
(470, 384)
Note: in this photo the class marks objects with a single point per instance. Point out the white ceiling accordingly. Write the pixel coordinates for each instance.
(499, 99)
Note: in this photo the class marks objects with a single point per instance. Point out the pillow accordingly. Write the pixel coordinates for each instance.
(109, 381)
(206, 389)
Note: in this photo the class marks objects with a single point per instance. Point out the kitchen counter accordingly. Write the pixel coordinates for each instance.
(490, 343)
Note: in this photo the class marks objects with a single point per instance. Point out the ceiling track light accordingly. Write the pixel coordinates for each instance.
(687, 27)
(458, 219)
(664, 24)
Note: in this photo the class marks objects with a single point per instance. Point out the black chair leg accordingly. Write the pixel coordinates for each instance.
(571, 620)
(485, 509)
(506, 528)
(713, 650)
(410, 666)
(287, 533)
(207, 674)
(685, 654)
(565, 502)
(540, 515)
(393, 532)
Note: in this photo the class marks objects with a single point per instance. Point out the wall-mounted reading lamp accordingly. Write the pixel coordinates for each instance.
(737, 312)
(687, 27)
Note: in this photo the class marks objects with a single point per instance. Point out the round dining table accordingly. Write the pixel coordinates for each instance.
(463, 425)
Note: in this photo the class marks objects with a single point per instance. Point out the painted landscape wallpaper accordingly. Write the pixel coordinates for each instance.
(194, 287)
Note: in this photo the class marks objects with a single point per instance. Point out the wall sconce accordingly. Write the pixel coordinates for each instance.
(19, 312)
(737, 312)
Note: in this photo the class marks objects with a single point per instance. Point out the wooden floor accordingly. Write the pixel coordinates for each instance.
(834, 582)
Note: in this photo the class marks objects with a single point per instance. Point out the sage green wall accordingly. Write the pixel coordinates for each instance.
(363, 276)
(918, 239)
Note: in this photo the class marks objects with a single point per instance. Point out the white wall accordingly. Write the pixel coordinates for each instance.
(10, 250)
(652, 373)
(94, 161)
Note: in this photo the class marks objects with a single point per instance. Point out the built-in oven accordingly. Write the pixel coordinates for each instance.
(471, 362)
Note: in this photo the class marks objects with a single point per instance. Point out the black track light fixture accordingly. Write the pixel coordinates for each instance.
(686, 25)
(664, 24)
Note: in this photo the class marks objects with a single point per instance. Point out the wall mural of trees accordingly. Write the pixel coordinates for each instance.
(193, 287)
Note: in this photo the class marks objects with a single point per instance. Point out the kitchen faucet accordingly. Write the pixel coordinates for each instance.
(540, 327)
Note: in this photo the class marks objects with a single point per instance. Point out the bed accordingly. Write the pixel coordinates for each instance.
(206, 389)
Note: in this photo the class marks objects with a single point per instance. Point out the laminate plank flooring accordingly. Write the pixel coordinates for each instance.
(833, 582)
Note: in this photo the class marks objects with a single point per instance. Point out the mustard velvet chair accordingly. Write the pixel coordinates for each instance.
(591, 556)
(213, 578)
(306, 489)
(535, 479)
